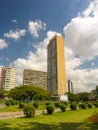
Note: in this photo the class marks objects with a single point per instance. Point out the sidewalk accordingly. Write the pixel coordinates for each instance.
(7, 115)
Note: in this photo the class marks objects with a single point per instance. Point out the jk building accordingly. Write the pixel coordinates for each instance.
(56, 66)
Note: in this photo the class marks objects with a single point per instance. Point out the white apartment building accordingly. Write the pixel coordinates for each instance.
(8, 78)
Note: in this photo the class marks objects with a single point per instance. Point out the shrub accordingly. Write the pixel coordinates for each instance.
(29, 110)
(48, 103)
(73, 106)
(50, 109)
(21, 105)
(7, 102)
(89, 105)
(66, 103)
(14, 102)
(57, 104)
(36, 104)
(96, 105)
(83, 105)
(62, 107)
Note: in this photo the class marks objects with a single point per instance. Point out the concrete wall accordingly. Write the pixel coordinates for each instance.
(36, 78)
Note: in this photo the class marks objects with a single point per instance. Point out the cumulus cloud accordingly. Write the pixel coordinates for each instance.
(15, 34)
(81, 45)
(14, 21)
(35, 60)
(81, 34)
(3, 44)
(35, 27)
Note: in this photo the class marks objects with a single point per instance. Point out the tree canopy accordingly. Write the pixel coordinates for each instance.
(24, 92)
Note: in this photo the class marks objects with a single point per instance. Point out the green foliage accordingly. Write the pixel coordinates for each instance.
(14, 102)
(83, 96)
(57, 104)
(50, 109)
(89, 105)
(66, 103)
(73, 106)
(7, 103)
(36, 104)
(71, 97)
(83, 106)
(2, 94)
(48, 103)
(29, 110)
(21, 105)
(96, 104)
(28, 92)
(62, 107)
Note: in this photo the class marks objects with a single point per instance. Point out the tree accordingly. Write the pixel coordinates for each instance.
(24, 92)
(72, 97)
(83, 96)
(1, 94)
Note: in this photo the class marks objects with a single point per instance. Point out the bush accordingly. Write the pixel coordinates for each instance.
(96, 105)
(50, 109)
(36, 104)
(89, 105)
(57, 104)
(48, 103)
(73, 106)
(21, 105)
(7, 102)
(62, 107)
(29, 110)
(83, 105)
(14, 102)
(66, 103)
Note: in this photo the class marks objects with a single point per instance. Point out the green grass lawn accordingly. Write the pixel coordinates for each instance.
(69, 120)
(12, 108)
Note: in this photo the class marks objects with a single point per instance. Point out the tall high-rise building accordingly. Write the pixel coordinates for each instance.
(56, 66)
(8, 78)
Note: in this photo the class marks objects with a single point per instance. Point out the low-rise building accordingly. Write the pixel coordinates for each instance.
(36, 78)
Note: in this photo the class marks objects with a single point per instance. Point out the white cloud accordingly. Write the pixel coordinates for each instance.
(3, 44)
(84, 79)
(15, 34)
(81, 44)
(81, 40)
(35, 27)
(14, 21)
(81, 34)
(36, 61)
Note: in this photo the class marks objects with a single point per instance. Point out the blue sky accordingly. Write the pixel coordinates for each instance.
(27, 26)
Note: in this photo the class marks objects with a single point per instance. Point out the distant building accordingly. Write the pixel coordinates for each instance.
(8, 78)
(36, 78)
(56, 66)
(1, 72)
(70, 87)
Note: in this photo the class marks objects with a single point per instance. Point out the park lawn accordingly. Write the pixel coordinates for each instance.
(69, 120)
(11, 108)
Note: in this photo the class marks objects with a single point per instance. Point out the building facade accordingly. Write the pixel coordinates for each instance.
(1, 73)
(56, 66)
(36, 78)
(70, 87)
(8, 78)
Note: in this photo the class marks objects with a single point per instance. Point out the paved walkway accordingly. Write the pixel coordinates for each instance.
(7, 115)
